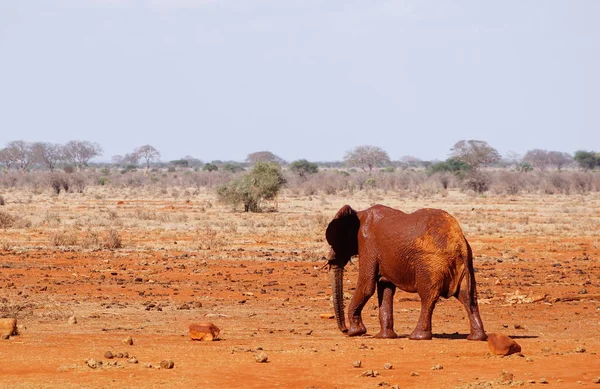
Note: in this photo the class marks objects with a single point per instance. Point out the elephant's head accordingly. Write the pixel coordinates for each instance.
(342, 236)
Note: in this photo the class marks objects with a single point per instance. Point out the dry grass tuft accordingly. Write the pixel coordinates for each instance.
(113, 240)
(64, 238)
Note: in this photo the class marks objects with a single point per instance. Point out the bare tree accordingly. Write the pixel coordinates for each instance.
(80, 152)
(48, 154)
(264, 156)
(475, 153)
(537, 158)
(6, 158)
(147, 153)
(20, 153)
(408, 161)
(559, 159)
(367, 157)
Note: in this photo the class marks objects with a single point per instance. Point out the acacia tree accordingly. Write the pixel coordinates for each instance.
(6, 158)
(537, 158)
(147, 153)
(48, 154)
(20, 154)
(367, 157)
(302, 167)
(475, 153)
(80, 152)
(559, 159)
(264, 156)
(587, 160)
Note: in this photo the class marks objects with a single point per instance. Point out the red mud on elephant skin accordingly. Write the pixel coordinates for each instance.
(424, 252)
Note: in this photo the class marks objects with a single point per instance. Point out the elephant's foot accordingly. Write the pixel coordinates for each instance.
(357, 330)
(477, 335)
(420, 335)
(386, 334)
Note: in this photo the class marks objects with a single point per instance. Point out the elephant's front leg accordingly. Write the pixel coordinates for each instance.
(385, 295)
(364, 290)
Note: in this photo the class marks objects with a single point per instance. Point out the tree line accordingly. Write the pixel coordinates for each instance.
(464, 155)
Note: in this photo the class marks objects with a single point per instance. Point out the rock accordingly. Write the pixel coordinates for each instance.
(370, 373)
(596, 380)
(388, 366)
(92, 363)
(205, 331)
(543, 380)
(580, 349)
(119, 355)
(501, 344)
(261, 357)
(108, 355)
(8, 327)
(72, 320)
(327, 316)
(357, 363)
(414, 374)
(437, 367)
(132, 360)
(128, 341)
(507, 377)
(167, 364)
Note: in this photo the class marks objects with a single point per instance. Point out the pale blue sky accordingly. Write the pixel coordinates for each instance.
(219, 79)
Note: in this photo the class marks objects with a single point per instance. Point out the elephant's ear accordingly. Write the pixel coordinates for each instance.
(342, 233)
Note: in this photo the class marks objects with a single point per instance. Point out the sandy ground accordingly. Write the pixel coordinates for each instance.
(258, 278)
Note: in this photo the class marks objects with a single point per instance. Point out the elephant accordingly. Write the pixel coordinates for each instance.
(423, 252)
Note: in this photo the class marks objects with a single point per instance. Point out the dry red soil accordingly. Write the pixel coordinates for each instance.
(264, 288)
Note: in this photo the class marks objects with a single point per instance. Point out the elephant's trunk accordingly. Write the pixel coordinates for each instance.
(336, 280)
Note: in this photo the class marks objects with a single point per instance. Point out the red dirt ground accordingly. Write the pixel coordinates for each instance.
(276, 306)
(263, 294)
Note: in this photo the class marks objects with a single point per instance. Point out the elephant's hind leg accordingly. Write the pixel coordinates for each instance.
(385, 295)
(469, 301)
(428, 301)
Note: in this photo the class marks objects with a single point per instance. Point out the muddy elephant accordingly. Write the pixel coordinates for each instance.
(423, 252)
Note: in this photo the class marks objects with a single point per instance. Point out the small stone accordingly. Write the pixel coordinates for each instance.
(543, 380)
(370, 373)
(92, 363)
(327, 316)
(72, 320)
(148, 366)
(388, 366)
(8, 327)
(596, 380)
(507, 377)
(132, 360)
(119, 355)
(437, 367)
(501, 344)
(414, 374)
(261, 357)
(519, 327)
(357, 363)
(167, 364)
(108, 355)
(128, 341)
(580, 349)
(204, 331)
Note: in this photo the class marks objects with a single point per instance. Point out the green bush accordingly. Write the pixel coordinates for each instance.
(302, 167)
(262, 183)
(209, 167)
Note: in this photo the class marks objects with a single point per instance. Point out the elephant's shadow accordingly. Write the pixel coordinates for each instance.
(457, 336)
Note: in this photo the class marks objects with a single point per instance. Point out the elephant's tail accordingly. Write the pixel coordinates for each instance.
(470, 274)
